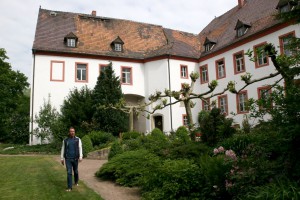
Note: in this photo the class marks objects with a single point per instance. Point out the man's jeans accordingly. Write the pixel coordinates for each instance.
(72, 163)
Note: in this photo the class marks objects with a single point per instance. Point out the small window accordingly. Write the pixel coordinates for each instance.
(220, 68)
(261, 58)
(206, 104)
(239, 64)
(208, 44)
(81, 72)
(285, 42)
(223, 104)
(126, 75)
(241, 28)
(118, 47)
(71, 42)
(203, 74)
(185, 120)
(183, 71)
(241, 31)
(242, 99)
(264, 93)
(284, 8)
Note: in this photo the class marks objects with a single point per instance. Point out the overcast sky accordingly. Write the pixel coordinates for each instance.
(18, 19)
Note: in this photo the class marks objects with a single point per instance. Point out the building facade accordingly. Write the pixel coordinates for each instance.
(70, 49)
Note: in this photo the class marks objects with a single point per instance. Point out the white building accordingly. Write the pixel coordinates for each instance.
(70, 48)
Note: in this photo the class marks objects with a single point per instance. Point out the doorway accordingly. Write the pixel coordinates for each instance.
(158, 122)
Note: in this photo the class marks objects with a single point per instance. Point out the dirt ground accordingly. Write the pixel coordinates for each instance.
(107, 189)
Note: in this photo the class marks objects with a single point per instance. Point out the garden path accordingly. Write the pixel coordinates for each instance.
(107, 189)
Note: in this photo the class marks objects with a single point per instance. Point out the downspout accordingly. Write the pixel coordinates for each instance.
(171, 116)
(32, 100)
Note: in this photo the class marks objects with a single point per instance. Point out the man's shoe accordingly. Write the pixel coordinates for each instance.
(68, 190)
(76, 184)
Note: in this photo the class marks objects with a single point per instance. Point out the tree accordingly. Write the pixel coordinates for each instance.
(77, 110)
(108, 91)
(12, 86)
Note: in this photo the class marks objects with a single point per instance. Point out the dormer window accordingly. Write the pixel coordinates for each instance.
(286, 5)
(70, 40)
(241, 28)
(117, 44)
(208, 44)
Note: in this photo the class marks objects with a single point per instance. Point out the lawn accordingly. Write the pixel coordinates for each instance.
(37, 177)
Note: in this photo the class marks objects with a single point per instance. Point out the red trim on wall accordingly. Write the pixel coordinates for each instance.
(237, 101)
(234, 62)
(87, 72)
(187, 71)
(219, 103)
(280, 40)
(201, 78)
(246, 40)
(255, 55)
(126, 67)
(217, 68)
(63, 70)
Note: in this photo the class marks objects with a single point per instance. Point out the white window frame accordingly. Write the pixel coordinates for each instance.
(126, 75)
(71, 42)
(81, 69)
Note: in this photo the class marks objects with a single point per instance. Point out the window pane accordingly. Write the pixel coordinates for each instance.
(81, 72)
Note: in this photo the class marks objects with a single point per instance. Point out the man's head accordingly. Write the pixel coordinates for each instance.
(72, 132)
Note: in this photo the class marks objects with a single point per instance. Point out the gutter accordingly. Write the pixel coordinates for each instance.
(32, 100)
(171, 115)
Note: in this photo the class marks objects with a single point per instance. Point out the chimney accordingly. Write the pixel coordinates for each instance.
(94, 13)
(241, 3)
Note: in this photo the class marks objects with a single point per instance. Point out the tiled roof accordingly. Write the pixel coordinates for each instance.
(95, 35)
(257, 13)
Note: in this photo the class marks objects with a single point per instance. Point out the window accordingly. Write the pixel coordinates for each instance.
(118, 47)
(185, 120)
(81, 72)
(284, 42)
(223, 104)
(264, 94)
(284, 8)
(239, 64)
(126, 75)
(71, 42)
(242, 99)
(208, 44)
(57, 71)
(206, 104)
(241, 28)
(241, 31)
(261, 58)
(203, 74)
(220, 68)
(183, 71)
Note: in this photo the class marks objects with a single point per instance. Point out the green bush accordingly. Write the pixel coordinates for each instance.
(101, 138)
(191, 150)
(173, 179)
(128, 168)
(182, 135)
(116, 148)
(131, 135)
(87, 145)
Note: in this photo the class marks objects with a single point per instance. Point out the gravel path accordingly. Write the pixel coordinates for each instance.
(107, 189)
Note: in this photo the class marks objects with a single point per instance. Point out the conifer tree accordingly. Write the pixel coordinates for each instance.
(106, 92)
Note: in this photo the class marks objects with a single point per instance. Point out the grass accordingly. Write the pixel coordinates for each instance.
(26, 149)
(37, 177)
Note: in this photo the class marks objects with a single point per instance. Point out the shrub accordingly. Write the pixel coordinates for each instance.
(191, 150)
(87, 145)
(173, 179)
(100, 138)
(127, 168)
(131, 135)
(182, 135)
(116, 148)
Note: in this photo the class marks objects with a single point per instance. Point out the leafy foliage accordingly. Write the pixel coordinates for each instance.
(12, 87)
(100, 138)
(87, 145)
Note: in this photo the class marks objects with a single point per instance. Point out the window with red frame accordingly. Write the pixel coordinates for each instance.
(242, 99)
(204, 74)
(184, 71)
(223, 104)
(264, 94)
(239, 62)
(185, 120)
(285, 42)
(260, 55)
(126, 75)
(206, 104)
(81, 72)
(220, 68)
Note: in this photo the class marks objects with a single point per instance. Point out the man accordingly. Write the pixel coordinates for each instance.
(71, 153)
